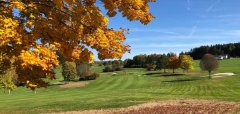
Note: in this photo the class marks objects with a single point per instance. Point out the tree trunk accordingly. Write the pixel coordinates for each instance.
(164, 70)
(173, 70)
(209, 73)
(9, 92)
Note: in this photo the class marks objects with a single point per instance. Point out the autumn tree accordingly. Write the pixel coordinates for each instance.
(5, 63)
(69, 70)
(186, 62)
(173, 63)
(6, 82)
(31, 31)
(209, 63)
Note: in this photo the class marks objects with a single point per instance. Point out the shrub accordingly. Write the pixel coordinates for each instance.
(69, 71)
(93, 76)
(107, 69)
(83, 69)
(118, 69)
(151, 67)
(117, 65)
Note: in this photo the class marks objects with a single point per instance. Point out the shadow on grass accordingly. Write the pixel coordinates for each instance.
(69, 81)
(160, 74)
(181, 80)
(153, 73)
(172, 74)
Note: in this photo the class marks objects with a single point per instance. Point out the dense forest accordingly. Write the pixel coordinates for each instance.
(231, 49)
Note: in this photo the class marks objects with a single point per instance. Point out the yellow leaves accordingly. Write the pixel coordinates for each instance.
(132, 9)
(186, 62)
(91, 57)
(76, 51)
(18, 41)
(70, 27)
(105, 21)
(32, 16)
(8, 32)
(86, 56)
(18, 5)
(30, 23)
(1, 32)
(137, 4)
(29, 84)
(28, 58)
(40, 56)
(108, 43)
(55, 45)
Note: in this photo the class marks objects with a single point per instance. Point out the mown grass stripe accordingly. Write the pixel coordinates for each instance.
(116, 83)
(105, 83)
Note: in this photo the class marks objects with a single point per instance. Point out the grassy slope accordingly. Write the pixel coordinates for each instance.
(125, 89)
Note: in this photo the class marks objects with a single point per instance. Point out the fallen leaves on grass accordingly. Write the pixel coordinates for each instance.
(186, 106)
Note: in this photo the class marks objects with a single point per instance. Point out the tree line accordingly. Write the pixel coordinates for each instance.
(231, 49)
(160, 62)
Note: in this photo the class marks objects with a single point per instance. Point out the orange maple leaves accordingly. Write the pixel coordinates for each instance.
(73, 28)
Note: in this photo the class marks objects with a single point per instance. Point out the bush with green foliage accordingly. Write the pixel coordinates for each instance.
(6, 81)
(83, 69)
(84, 72)
(107, 69)
(117, 65)
(69, 71)
(92, 76)
(118, 69)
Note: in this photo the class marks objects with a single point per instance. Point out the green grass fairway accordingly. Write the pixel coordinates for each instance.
(125, 89)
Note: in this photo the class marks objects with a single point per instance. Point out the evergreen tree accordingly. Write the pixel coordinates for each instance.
(69, 71)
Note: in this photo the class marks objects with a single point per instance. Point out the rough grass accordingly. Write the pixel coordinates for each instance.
(125, 89)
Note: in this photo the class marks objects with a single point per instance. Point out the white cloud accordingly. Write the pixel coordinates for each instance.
(210, 8)
(193, 30)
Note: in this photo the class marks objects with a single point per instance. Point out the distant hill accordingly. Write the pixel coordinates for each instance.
(231, 49)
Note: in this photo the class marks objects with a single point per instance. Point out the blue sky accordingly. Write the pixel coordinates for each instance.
(181, 25)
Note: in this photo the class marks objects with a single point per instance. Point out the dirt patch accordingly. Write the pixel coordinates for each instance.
(74, 84)
(195, 73)
(171, 107)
